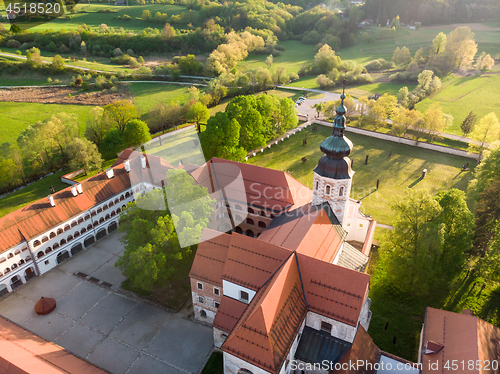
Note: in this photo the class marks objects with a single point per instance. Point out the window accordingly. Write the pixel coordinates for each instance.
(262, 224)
(36, 243)
(73, 224)
(238, 207)
(224, 336)
(105, 207)
(66, 228)
(45, 239)
(200, 286)
(10, 255)
(341, 191)
(317, 184)
(99, 210)
(60, 231)
(327, 190)
(87, 217)
(244, 371)
(80, 220)
(326, 327)
(243, 296)
(262, 213)
(203, 314)
(201, 299)
(250, 210)
(216, 291)
(52, 235)
(250, 221)
(46, 262)
(216, 304)
(40, 254)
(360, 226)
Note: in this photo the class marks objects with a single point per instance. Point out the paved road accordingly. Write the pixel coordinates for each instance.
(118, 333)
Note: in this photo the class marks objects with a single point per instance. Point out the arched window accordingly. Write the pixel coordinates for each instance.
(36, 243)
(76, 234)
(101, 220)
(99, 210)
(45, 239)
(105, 207)
(10, 255)
(93, 213)
(52, 235)
(118, 210)
(117, 201)
(203, 314)
(95, 223)
(40, 254)
(70, 238)
(89, 226)
(87, 217)
(237, 207)
(48, 250)
(127, 194)
(262, 224)
(21, 262)
(122, 198)
(327, 190)
(27, 259)
(262, 213)
(124, 207)
(238, 218)
(6, 270)
(83, 230)
(341, 191)
(80, 220)
(107, 216)
(66, 228)
(317, 185)
(111, 204)
(113, 213)
(60, 231)
(250, 210)
(272, 216)
(250, 221)
(73, 224)
(63, 241)
(56, 245)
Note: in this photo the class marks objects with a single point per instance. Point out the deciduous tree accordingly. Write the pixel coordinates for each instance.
(84, 155)
(136, 133)
(198, 113)
(486, 131)
(119, 113)
(221, 138)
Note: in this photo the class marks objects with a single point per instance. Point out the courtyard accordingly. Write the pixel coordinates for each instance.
(111, 329)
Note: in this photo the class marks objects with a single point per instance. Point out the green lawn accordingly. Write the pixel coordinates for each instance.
(292, 58)
(401, 171)
(461, 95)
(305, 82)
(215, 364)
(382, 88)
(30, 194)
(18, 116)
(94, 19)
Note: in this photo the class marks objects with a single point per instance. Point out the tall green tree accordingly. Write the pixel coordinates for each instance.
(97, 127)
(136, 133)
(198, 113)
(462, 46)
(252, 131)
(487, 215)
(468, 123)
(84, 155)
(326, 60)
(221, 138)
(119, 113)
(486, 131)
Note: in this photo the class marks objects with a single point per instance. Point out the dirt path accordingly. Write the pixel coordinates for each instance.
(62, 95)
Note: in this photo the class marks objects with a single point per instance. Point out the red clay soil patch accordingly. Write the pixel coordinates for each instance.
(59, 95)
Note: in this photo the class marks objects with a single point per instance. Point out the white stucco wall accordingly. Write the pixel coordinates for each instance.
(339, 330)
(338, 203)
(232, 290)
(232, 364)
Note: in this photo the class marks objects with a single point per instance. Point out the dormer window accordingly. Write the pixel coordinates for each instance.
(326, 327)
(244, 296)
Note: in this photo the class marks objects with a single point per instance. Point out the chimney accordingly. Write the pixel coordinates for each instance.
(143, 161)
(79, 188)
(51, 200)
(126, 163)
(110, 173)
(74, 191)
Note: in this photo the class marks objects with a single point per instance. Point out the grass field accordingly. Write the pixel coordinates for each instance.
(95, 19)
(147, 95)
(18, 116)
(401, 171)
(461, 95)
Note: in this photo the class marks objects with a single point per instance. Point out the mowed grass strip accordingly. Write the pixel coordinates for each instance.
(148, 95)
(397, 173)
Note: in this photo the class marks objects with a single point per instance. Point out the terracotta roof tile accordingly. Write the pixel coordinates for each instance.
(208, 264)
(228, 314)
(332, 290)
(364, 349)
(269, 325)
(251, 262)
(31, 354)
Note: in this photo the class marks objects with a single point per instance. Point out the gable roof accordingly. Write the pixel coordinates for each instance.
(263, 188)
(310, 229)
(451, 336)
(364, 349)
(268, 326)
(39, 217)
(228, 314)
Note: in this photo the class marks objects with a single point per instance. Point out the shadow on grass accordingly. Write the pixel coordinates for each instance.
(415, 182)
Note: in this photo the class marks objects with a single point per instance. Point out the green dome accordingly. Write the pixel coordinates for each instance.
(336, 147)
(341, 109)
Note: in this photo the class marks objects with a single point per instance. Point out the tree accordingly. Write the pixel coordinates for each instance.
(468, 123)
(84, 155)
(269, 60)
(404, 118)
(395, 55)
(486, 62)
(487, 131)
(57, 63)
(113, 142)
(119, 113)
(435, 121)
(252, 131)
(198, 113)
(319, 107)
(326, 60)
(439, 43)
(487, 216)
(189, 65)
(404, 56)
(485, 173)
(146, 15)
(349, 104)
(363, 104)
(410, 252)
(425, 80)
(221, 138)
(97, 127)
(403, 97)
(461, 46)
(136, 133)
(382, 108)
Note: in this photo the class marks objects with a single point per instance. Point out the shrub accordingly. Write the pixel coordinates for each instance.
(13, 44)
(78, 81)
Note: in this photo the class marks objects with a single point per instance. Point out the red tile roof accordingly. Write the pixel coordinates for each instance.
(363, 349)
(40, 216)
(264, 188)
(269, 325)
(250, 262)
(23, 352)
(462, 337)
(332, 290)
(228, 314)
(208, 264)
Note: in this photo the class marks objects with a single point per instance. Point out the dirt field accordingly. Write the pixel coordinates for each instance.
(472, 26)
(55, 95)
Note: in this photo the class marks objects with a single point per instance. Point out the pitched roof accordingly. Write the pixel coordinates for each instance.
(316, 347)
(263, 187)
(251, 262)
(228, 314)
(269, 325)
(332, 290)
(208, 264)
(461, 336)
(40, 217)
(310, 229)
(23, 352)
(364, 349)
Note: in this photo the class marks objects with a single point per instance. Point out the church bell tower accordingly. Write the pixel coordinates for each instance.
(333, 174)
